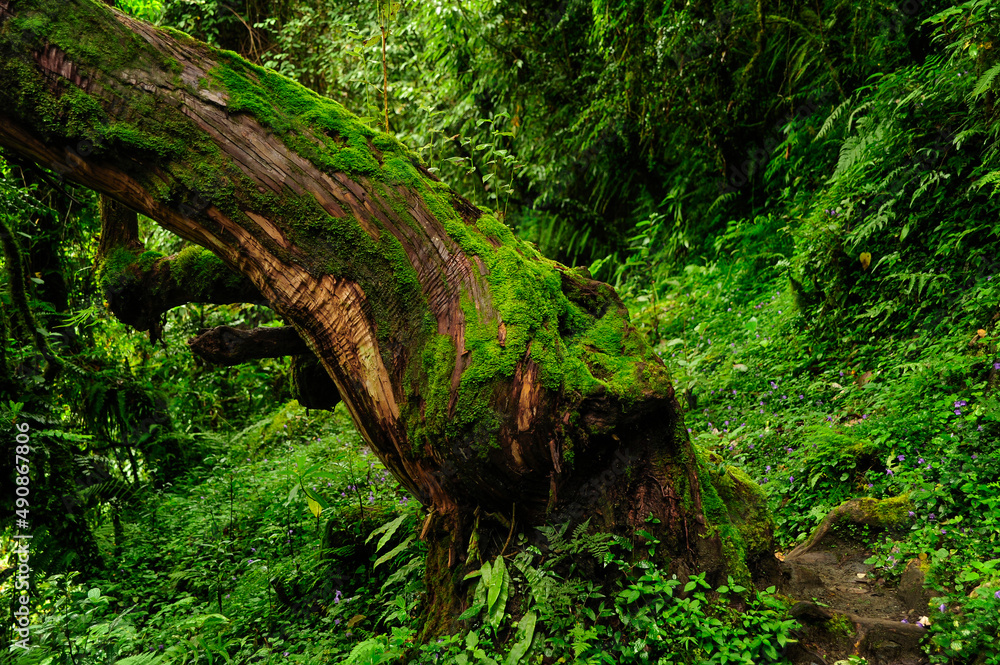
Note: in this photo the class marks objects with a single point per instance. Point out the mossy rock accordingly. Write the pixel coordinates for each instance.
(738, 509)
(878, 515)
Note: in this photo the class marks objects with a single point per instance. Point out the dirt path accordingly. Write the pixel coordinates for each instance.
(845, 608)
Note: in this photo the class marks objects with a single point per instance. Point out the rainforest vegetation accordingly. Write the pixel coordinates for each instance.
(499, 331)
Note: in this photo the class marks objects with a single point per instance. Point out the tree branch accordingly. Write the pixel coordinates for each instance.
(228, 346)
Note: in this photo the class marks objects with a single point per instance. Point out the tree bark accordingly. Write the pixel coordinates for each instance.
(485, 376)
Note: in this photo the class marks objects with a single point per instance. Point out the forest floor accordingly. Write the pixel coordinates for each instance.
(846, 608)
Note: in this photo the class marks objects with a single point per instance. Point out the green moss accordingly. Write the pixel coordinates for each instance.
(735, 509)
(112, 271)
(201, 272)
(146, 260)
(840, 625)
(492, 227)
(339, 142)
(886, 513)
(127, 137)
(88, 34)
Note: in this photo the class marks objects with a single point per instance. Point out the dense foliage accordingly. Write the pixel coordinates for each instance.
(797, 202)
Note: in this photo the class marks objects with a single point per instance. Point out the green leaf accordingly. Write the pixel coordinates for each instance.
(472, 612)
(525, 632)
(393, 552)
(314, 506)
(496, 601)
(388, 528)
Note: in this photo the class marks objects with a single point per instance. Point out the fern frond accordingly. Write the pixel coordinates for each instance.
(831, 120)
(860, 109)
(141, 659)
(985, 81)
(991, 178)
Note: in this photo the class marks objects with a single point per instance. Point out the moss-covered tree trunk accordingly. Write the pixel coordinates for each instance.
(489, 379)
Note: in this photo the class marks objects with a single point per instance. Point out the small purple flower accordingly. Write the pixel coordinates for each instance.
(996, 365)
(931, 517)
(904, 621)
(889, 472)
(912, 514)
(767, 469)
(996, 594)
(942, 607)
(900, 457)
(791, 479)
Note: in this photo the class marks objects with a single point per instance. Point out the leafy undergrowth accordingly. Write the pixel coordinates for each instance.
(291, 543)
(819, 412)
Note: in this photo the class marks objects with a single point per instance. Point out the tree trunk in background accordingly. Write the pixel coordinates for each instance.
(489, 379)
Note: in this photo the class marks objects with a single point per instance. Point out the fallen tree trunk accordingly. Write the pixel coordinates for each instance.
(486, 377)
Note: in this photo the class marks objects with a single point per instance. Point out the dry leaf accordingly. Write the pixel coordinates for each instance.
(866, 260)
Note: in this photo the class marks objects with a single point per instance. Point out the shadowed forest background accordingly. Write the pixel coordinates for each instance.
(796, 202)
